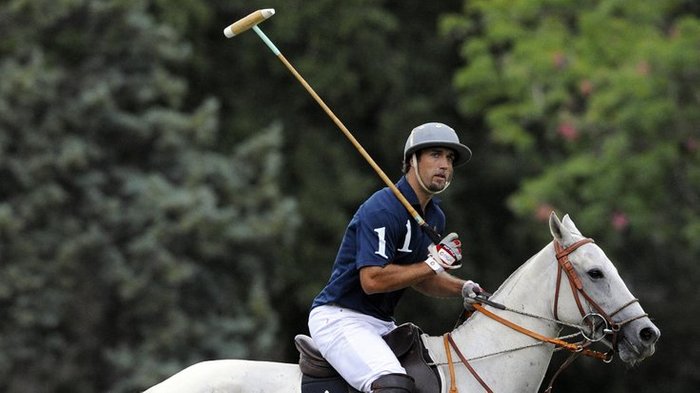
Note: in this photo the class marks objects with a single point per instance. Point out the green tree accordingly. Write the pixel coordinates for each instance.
(597, 103)
(131, 243)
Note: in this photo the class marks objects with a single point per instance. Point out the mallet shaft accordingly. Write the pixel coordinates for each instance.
(434, 236)
(251, 21)
(267, 41)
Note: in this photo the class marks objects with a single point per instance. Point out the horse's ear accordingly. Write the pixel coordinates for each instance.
(569, 223)
(559, 231)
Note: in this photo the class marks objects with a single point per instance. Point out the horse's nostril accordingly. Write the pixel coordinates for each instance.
(648, 334)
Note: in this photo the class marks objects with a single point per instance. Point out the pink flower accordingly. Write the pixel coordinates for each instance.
(543, 211)
(585, 87)
(568, 131)
(559, 60)
(643, 68)
(619, 221)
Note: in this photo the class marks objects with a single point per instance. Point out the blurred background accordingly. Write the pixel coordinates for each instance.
(169, 196)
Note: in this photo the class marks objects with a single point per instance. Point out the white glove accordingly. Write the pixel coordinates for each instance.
(446, 254)
(470, 289)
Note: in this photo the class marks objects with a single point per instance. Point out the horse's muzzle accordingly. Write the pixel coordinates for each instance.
(638, 341)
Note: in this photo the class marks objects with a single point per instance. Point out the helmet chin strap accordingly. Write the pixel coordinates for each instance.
(414, 164)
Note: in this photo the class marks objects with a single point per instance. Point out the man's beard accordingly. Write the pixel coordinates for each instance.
(436, 186)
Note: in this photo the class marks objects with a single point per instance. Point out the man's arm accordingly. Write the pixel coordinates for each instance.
(391, 277)
(441, 285)
(378, 279)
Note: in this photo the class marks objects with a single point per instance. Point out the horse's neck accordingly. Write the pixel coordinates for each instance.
(529, 289)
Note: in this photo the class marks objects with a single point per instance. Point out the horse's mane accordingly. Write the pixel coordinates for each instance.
(517, 273)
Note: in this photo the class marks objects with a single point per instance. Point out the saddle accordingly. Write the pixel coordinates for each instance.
(320, 377)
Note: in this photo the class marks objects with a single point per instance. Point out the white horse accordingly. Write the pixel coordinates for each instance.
(535, 297)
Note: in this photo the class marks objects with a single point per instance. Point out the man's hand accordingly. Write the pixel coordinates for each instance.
(469, 291)
(446, 254)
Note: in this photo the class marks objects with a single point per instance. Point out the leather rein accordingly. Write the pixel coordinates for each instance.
(598, 320)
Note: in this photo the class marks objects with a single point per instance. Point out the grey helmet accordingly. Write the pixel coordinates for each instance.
(436, 134)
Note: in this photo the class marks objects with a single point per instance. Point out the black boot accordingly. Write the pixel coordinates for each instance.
(394, 383)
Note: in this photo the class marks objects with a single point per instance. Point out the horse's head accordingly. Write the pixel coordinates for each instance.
(602, 294)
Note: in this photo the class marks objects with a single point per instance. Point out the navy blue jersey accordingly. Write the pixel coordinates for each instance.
(380, 232)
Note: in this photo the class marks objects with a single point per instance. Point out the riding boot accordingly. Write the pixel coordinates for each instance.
(394, 383)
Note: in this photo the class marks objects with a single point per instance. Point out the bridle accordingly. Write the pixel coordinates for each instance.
(604, 320)
(597, 320)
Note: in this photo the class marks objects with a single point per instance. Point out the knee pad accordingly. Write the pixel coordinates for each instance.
(394, 383)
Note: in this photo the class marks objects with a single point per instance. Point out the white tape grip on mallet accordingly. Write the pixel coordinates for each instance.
(249, 21)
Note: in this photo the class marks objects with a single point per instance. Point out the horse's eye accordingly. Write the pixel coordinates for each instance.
(595, 274)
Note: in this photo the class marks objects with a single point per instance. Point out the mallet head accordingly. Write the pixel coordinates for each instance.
(249, 21)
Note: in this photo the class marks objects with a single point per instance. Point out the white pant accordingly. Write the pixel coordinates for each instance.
(352, 344)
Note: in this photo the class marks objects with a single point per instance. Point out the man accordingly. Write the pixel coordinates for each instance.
(383, 252)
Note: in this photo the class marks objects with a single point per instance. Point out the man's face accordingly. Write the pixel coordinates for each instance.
(435, 167)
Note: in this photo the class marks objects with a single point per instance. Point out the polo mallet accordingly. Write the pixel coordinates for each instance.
(251, 21)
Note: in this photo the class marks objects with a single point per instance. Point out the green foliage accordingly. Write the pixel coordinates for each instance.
(169, 196)
(128, 238)
(600, 99)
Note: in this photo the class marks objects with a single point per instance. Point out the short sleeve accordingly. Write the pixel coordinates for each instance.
(376, 238)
